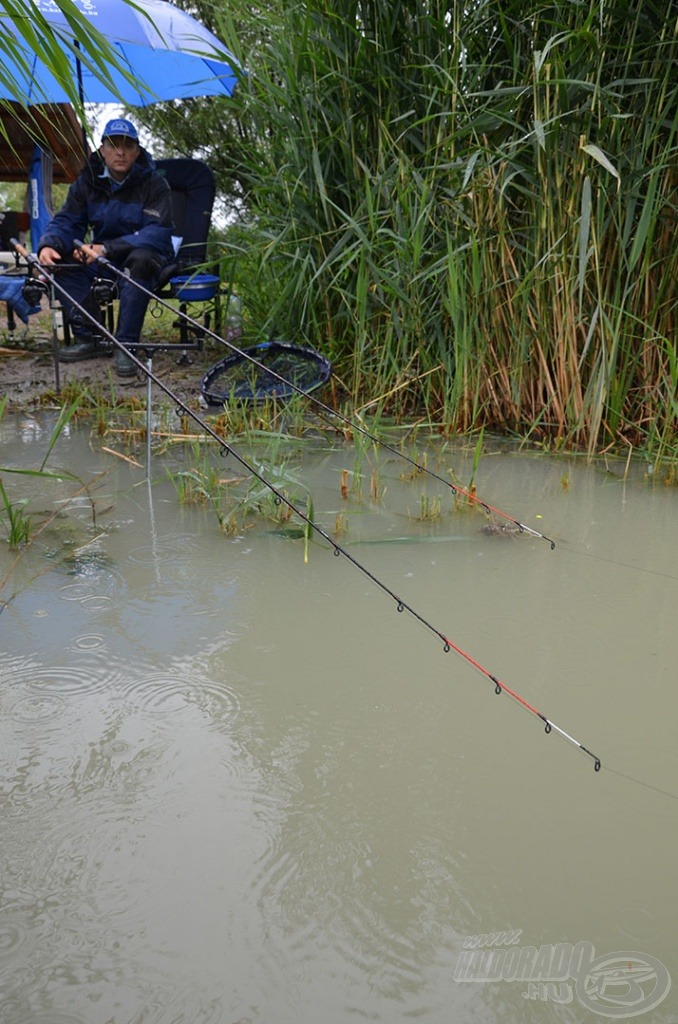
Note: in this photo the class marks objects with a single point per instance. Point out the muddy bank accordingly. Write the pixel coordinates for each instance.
(28, 380)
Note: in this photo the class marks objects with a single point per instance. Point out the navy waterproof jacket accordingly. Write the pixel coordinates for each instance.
(138, 215)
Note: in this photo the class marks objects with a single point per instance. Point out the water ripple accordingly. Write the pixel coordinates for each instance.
(94, 578)
(86, 594)
(324, 887)
(11, 936)
(84, 861)
(77, 591)
(37, 708)
(166, 693)
(160, 693)
(40, 693)
(88, 642)
(177, 550)
(91, 676)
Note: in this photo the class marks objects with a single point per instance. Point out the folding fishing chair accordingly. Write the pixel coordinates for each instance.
(193, 191)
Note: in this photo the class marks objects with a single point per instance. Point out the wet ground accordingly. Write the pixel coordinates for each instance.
(27, 374)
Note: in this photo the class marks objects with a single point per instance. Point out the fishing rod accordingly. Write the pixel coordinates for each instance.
(226, 449)
(326, 410)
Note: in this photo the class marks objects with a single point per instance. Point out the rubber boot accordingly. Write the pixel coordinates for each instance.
(124, 367)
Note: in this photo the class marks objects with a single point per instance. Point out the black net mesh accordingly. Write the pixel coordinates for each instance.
(282, 369)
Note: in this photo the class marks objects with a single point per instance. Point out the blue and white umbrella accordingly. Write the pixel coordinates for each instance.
(167, 52)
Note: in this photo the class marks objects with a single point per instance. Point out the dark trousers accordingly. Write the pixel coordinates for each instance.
(142, 265)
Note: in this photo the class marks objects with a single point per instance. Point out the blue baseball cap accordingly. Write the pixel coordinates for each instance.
(120, 127)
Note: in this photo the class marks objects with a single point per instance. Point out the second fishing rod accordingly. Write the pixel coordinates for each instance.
(329, 414)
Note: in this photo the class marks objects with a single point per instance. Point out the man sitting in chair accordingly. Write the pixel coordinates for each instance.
(128, 206)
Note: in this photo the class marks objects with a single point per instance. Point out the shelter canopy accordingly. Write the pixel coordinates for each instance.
(54, 126)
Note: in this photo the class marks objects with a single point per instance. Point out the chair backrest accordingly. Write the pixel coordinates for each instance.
(193, 192)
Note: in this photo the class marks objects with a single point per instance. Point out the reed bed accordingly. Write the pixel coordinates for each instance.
(471, 208)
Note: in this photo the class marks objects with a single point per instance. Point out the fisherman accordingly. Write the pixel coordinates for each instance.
(127, 205)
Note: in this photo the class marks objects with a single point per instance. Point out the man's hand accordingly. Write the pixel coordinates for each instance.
(93, 252)
(48, 256)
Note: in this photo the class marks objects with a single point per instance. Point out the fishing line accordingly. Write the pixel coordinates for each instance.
(326, 410)
(226, 449)
(615, 561)
(640, 782)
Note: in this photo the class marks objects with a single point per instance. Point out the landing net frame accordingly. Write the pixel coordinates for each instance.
(236, 377)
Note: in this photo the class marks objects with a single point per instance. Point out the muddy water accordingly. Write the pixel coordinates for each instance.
(241, 787)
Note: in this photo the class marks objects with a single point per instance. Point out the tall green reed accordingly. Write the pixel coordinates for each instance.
(480, 196)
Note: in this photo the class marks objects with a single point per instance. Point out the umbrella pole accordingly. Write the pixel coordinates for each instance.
(81, 97)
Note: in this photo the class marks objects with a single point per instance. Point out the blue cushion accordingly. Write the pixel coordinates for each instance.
(10, 291)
